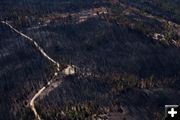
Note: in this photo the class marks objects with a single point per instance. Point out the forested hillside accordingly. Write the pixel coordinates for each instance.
(88, 59)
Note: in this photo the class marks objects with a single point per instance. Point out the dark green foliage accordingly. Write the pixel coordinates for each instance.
(168, 9)
(26, 114)
(128, 67)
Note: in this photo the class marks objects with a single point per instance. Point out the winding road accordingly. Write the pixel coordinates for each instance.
(69, 70)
